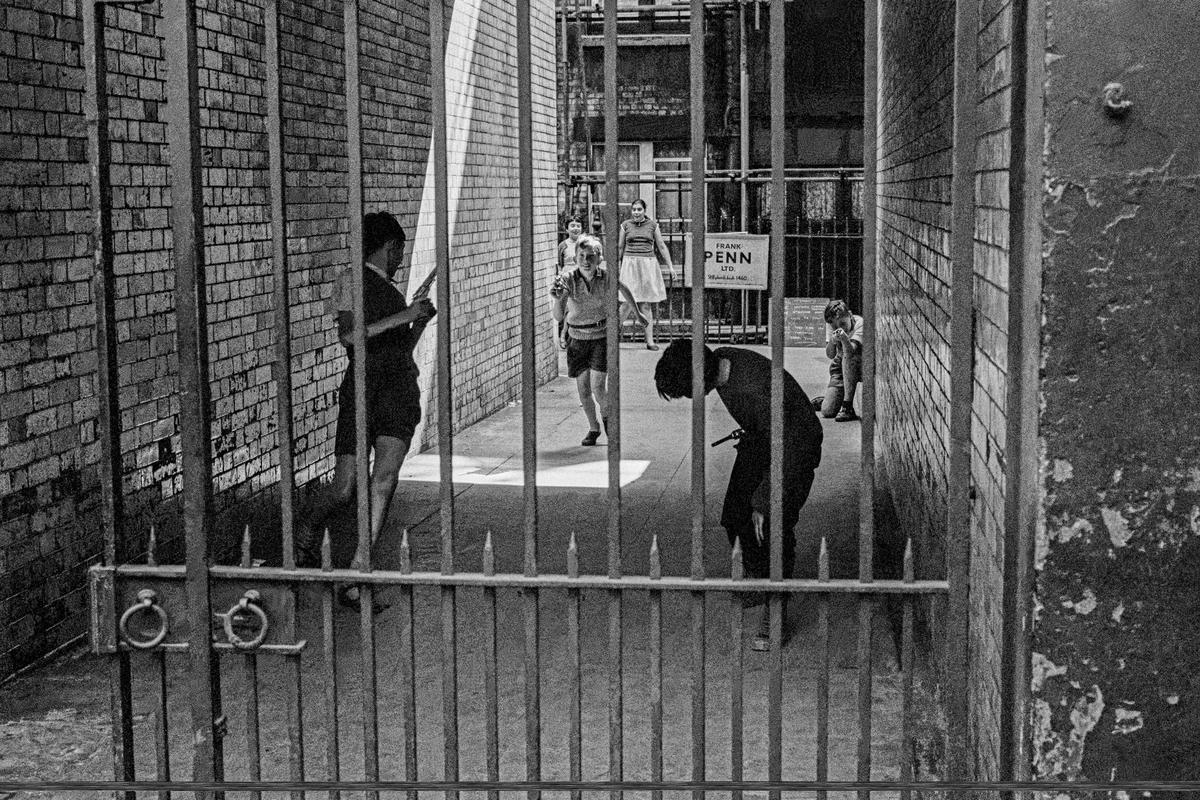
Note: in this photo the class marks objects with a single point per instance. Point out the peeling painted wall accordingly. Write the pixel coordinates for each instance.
(1116, 634)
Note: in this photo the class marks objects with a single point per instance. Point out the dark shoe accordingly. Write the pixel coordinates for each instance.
(355, 603)
(590, 439)
(845, 415)
(818, 401)
(651, 347)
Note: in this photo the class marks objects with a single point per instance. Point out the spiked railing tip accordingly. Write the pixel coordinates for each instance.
(489, 555)
(572, 557)
(405, 553)
(655, 558)
(735, 558)
(823, 561)
(909, 571)
(246, 545)
(151, 546)
(326, 552)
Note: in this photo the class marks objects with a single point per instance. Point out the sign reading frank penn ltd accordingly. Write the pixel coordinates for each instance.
(731, 260)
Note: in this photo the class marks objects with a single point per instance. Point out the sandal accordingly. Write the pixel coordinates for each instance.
(651, 347)
(590, 439)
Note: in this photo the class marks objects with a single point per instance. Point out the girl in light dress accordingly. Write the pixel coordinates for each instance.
(639, 244)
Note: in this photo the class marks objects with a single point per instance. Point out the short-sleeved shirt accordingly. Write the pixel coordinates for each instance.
(587, 303)
(390, 353)
(639, 237)
(566, 254)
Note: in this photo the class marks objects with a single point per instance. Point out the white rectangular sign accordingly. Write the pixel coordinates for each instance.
(731, 260)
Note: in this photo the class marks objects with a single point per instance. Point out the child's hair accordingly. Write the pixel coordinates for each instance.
(574, 220)
(589, 243)
(379, 228)
(673, 375)
(835, 309)
(638, 202)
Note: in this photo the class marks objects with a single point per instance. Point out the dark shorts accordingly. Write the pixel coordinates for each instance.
(393, 409)
(585, 354)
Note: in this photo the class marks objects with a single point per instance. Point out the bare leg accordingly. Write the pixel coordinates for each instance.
(338, 496)
(389, 457)
(583, 384)
(853, 374)
(647, 309)
(599, 386)
(624, 312)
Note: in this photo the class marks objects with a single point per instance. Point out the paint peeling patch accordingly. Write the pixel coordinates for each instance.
(1085, 605)
(1118, 527)
(1118, 612)
(1063, 470)
(1059, 756)
(1117, 473)
(1173, 700)
(1042, 670)
(1193, 484)
(1064, 533)
(1128, 721)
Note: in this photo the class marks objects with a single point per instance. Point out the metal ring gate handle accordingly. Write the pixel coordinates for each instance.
(249, 602)
(146, 598)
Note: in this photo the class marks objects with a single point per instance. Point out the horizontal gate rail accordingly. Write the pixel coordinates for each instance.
(1187, 787)
(544, 581)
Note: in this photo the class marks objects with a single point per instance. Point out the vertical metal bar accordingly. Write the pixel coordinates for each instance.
(906, 678)
(529, 349)
(370, 721)
(437, 82)
(616, 724)
(1021, 406)
(611, 228)
(962, 345)
(656, 685)
(575, 679)
(112, 501)
(283, 368)
(408, 667)
(283, 339)
(778, 270)
(866, 496)
(333, 768)
(187, 215)
(250, 675)
(354, 247)
(162, 743)
(699, 227)
(491, 694)
(736, 693)
(866, 609)
(441, 251)
(823, 670)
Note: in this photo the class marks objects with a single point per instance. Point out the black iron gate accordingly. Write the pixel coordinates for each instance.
(240, 623)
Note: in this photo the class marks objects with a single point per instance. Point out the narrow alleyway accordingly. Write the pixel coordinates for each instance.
(656, 452)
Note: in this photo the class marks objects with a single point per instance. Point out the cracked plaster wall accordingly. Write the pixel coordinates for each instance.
(1116, 633)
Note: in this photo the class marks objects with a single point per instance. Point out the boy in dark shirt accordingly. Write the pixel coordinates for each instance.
(393, 400)
(742, 379)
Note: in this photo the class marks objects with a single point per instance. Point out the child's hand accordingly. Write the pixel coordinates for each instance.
(558, 287)
(425, 309)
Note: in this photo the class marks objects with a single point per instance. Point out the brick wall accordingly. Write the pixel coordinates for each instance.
(913, 282)
(990, 370)
(913, 295)
(48, 532)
